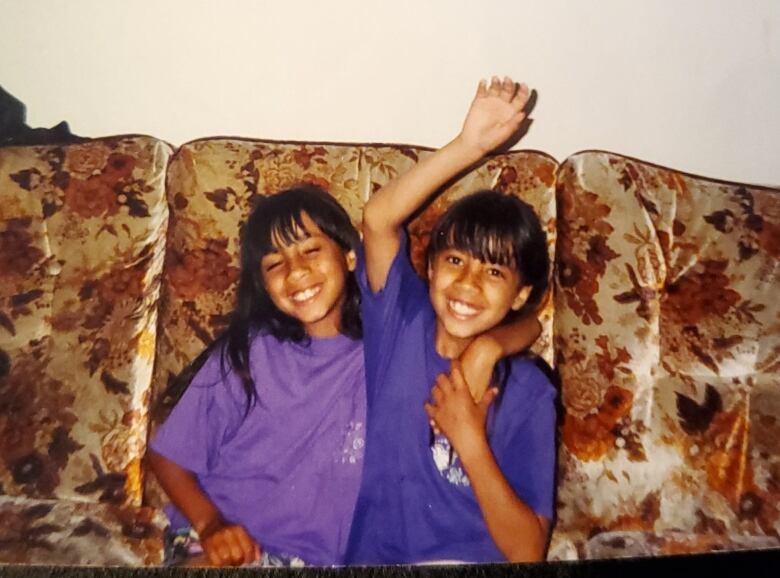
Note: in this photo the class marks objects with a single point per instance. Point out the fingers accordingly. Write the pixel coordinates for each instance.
(520, 98)
(215, 557)
(495, 86)
(456, 375)
(249, 548)
(437, 395)
(231, 546)
(506, 89)
(444, 382)
(482, 88)
(488, 398)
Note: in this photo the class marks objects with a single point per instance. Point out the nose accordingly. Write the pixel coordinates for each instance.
(298, 267)
(468, 276)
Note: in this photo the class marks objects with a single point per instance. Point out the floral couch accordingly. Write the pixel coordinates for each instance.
(118, 263)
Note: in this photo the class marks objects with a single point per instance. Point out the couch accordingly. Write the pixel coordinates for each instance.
(118, 264)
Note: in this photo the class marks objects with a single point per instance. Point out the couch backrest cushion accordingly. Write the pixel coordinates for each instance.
(82, 231)
(211, 184)
(667, 325)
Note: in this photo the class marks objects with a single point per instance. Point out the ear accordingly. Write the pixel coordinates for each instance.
(521, 298)
(351, 261)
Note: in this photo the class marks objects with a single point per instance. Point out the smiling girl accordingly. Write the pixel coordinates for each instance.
(262, 454)
(482, 491)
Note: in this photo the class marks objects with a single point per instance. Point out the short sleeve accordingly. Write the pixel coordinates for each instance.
(384, 312)
(527, 455)
(203, 418)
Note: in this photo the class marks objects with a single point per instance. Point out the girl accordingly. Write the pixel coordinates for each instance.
(263, 450)
(491, 498)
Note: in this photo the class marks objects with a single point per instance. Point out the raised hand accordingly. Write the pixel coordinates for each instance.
(495, 114)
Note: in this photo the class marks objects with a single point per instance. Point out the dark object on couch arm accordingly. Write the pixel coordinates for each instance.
(14, 129)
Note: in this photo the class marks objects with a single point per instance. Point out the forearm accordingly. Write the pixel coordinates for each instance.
(185, 493)
(389, 208)
(393, 204)
(481, 356)
(515, 337)
(517, 531)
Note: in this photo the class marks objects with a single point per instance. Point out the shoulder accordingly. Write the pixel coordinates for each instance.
(218, 373)
(526, 406)
(527, 383)
(403, 296)
(262, 344)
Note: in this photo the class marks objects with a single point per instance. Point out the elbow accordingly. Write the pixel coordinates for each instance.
(372, 218)
(531, 548)
(525, 554)
(376, 223)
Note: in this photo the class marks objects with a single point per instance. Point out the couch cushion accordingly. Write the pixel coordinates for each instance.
(668, 343)
(81, 238)
(211, 185)
(63, 532)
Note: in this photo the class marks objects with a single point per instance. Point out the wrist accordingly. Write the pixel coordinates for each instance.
(209, 526)
(489, 349)
(468, 150)
(474, 450)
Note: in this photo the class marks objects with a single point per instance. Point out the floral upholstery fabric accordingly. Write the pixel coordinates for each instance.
(665, 333)
(64, 532)
(82, 230)
(633, 544)
(211, 185)
(667, 340)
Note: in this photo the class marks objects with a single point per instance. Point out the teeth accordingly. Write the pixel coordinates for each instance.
(462, 308)
(305, 295)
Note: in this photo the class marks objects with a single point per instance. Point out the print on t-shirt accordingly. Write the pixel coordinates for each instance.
(447, 462)
(354, 443)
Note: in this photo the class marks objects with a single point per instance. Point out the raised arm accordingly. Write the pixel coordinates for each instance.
(494, 116)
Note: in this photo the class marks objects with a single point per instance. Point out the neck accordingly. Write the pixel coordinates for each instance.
(449, 346)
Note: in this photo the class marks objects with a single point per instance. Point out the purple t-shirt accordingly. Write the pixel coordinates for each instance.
(416, 503)
(289, 472)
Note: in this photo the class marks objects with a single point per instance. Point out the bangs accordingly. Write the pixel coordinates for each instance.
(277, 221)
(481, 231)
(489, 244)
(283, 228)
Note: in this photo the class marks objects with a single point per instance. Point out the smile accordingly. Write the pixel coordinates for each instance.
(462, 310)
(306, 294)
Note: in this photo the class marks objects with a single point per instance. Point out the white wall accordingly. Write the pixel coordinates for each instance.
(691, 84)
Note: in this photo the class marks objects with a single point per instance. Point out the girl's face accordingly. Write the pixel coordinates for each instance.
(307, 279)
(470, 296)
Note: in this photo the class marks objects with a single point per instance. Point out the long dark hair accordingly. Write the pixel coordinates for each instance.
(277, 216)
(501, 229)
